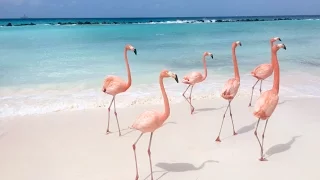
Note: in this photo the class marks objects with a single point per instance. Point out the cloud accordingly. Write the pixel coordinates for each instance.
(20, 2)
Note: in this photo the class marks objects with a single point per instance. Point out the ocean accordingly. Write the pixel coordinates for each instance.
(60, 64)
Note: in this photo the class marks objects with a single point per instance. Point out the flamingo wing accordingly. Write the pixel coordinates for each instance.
(266, 104)
(113, 85)
(192, 78)
(148, 121)
(262, 71)
(230, 88)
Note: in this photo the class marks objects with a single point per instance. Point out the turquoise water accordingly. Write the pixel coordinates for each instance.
(46, 68)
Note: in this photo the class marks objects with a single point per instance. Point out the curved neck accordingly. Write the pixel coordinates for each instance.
(128, 68)
(204, 67)
(276, 71)
(271, 44)
(235, 64)
(166, 112)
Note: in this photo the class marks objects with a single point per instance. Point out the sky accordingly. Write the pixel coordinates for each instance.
(155, 8)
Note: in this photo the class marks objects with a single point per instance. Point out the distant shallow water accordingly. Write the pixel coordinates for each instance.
(55, 68)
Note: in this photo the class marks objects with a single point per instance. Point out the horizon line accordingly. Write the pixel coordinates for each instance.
(155, 17)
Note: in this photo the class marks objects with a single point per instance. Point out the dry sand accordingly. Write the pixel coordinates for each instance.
(74, 146)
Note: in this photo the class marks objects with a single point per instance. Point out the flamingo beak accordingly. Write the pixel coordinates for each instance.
(240, 44)
(279, 39)
(135, 51)
(284, 47)
(176, 78)
(211, 56)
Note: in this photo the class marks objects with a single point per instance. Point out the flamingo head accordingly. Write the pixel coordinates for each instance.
(166, 73)
(275, 39)
(235, 44)
(208, 54)
(276, 47)
(130, 47)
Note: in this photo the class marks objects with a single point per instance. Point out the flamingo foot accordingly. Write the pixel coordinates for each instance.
(108, 132)
(263, 159)
(137, 177)
(234, 133)
(218, 139)
(249, 105)
(192, 110)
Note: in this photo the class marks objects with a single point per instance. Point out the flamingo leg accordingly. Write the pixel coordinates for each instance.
(191, 106)
(256, 134)
(189, 97)
(107, 132)
(224, 115)
(115, 113)
(260, 87)
(149, 153)
(265, 126)
(135, 156)
(252, 92)
(234, 132)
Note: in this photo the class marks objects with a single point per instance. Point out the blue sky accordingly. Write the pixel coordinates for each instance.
(154, 8)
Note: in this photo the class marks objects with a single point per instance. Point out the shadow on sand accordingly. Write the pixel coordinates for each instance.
(279, 148)
(206, 109)
(247, 128)
(179, 167)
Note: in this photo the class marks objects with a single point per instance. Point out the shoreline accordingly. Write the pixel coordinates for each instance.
(73, 145)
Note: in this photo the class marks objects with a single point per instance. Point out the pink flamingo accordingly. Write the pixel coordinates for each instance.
(114, 85)
(195, 77)
(149, 121)
(231, 87)
(263, 71)
(268, 100)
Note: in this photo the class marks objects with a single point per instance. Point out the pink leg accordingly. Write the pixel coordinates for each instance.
(252, 92)
(115, 113)
(149, 152)
(262, 158)
(135, 156)
(224, 115)
(107, 132)
(256, 134)
(191, 106)
(260, 87)
(183, 94)
(234, 132)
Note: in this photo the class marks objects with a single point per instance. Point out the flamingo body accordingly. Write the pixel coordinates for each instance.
(148, 121)
(262, 71)
(114, 85)
(266, 104)
(193, 78)
(230, 89)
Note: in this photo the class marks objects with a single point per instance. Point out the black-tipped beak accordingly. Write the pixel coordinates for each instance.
(240, 44)
(284, 47)
(279, 39)
(176, 78)
(135, 51)
(211, 56)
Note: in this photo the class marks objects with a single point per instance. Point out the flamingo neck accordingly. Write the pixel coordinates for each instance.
(271, 44)
(128, 68)
(235, 64)
(276, 78)
(166, 112)
(204, 67)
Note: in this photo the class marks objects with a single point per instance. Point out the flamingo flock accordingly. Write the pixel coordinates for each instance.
(150, 121)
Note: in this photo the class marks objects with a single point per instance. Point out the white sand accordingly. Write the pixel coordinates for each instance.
(73, 145)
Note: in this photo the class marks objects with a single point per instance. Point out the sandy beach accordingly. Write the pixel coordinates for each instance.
(73, 145)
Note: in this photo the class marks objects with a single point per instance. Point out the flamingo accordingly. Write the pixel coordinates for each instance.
(268, 100)
(231, 87)
(114, 85)
(195, 77)
(149, 121)
(263, 71)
